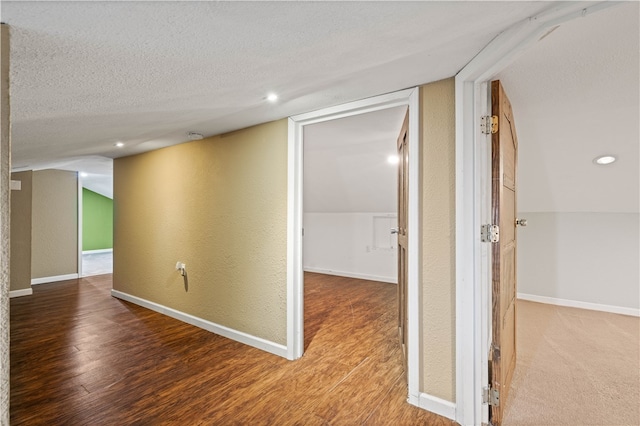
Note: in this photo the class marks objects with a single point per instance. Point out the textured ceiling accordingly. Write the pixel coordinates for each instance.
(86, 74)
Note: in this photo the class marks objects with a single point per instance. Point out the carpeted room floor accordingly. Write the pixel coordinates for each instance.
(575, 367)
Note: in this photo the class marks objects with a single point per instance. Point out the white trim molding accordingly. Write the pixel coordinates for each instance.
(109, 250)
(20, 293)
(634, 312)
(53, 279)
(437, 405)
(295, 278)
(379, 278)
(221, 330)
(471, 266)
(80, 221)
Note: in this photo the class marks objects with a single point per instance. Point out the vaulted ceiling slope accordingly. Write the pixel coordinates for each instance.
(87, 74)
(576, 96)
(346, 163)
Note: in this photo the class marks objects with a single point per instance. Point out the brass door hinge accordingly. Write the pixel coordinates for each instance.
(489, 124)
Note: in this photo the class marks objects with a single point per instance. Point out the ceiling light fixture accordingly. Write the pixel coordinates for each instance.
(118, 144)
(84, 174)
(272, 97)
(393, 159)
(604, 160)
(195, 136)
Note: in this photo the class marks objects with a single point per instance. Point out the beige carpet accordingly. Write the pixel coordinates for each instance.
(575, 367)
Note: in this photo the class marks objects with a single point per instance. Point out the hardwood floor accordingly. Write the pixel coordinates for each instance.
(81, 357)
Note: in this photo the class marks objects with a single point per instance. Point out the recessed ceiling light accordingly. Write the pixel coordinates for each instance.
(118, 144)
(195, 136)
(84, 174)
(393, 159)
(272, 97)
(604, 159)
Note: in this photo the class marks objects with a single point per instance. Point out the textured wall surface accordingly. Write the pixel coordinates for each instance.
(5, 167)
(438, 238)
(220, 206)
(54, 232)
(584, 257)
(21, 232)
(97, 221)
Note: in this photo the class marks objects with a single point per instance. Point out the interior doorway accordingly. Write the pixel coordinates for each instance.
(350, 196)
(296, 259)
(350, 214)
(95, 205)
(471, 108)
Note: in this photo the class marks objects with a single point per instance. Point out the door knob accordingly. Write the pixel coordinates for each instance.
(395, 230)
(521, 222)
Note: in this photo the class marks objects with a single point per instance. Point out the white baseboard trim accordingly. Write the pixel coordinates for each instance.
(437, 405)
(110, 250)
(19, 293)
(238, 336)
(582, 305)
(56, 278)
(392, 280)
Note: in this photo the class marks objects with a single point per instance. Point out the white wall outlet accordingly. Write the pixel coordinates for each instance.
(181, 267)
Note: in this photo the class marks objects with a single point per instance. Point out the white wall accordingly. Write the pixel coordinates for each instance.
(345, 244)
(581, 257)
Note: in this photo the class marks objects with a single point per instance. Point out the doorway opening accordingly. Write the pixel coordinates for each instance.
(472, 259)
(350, 205)
(297, 197)
(95, 204)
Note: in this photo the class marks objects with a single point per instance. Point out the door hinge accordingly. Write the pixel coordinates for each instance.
(491, 396)
(490, 234)
(489, 124)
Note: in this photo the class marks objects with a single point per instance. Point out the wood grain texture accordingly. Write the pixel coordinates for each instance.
(504, 154)
(81, 357)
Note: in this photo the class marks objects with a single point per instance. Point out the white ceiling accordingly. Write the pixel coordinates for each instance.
(575, 96)
(88, 74)
(345, 163)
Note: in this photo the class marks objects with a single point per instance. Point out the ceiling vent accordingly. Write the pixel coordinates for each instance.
(195, 136)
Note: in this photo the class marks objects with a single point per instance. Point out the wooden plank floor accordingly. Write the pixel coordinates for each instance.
(81, 357)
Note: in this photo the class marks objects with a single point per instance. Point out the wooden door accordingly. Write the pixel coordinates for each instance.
(504, 144)
(403, 183)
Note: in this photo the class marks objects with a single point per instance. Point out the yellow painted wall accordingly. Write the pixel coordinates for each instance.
(220, 206)
(21, 232)
(54, 230)
(437, 110)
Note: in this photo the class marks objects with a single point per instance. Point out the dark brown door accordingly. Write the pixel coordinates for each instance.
(504, 156)
(403, 183)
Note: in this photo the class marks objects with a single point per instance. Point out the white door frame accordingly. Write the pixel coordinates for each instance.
(80, 226)
(295, 287)
(473, 200)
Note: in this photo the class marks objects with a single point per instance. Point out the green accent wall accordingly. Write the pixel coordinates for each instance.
(97, 221)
